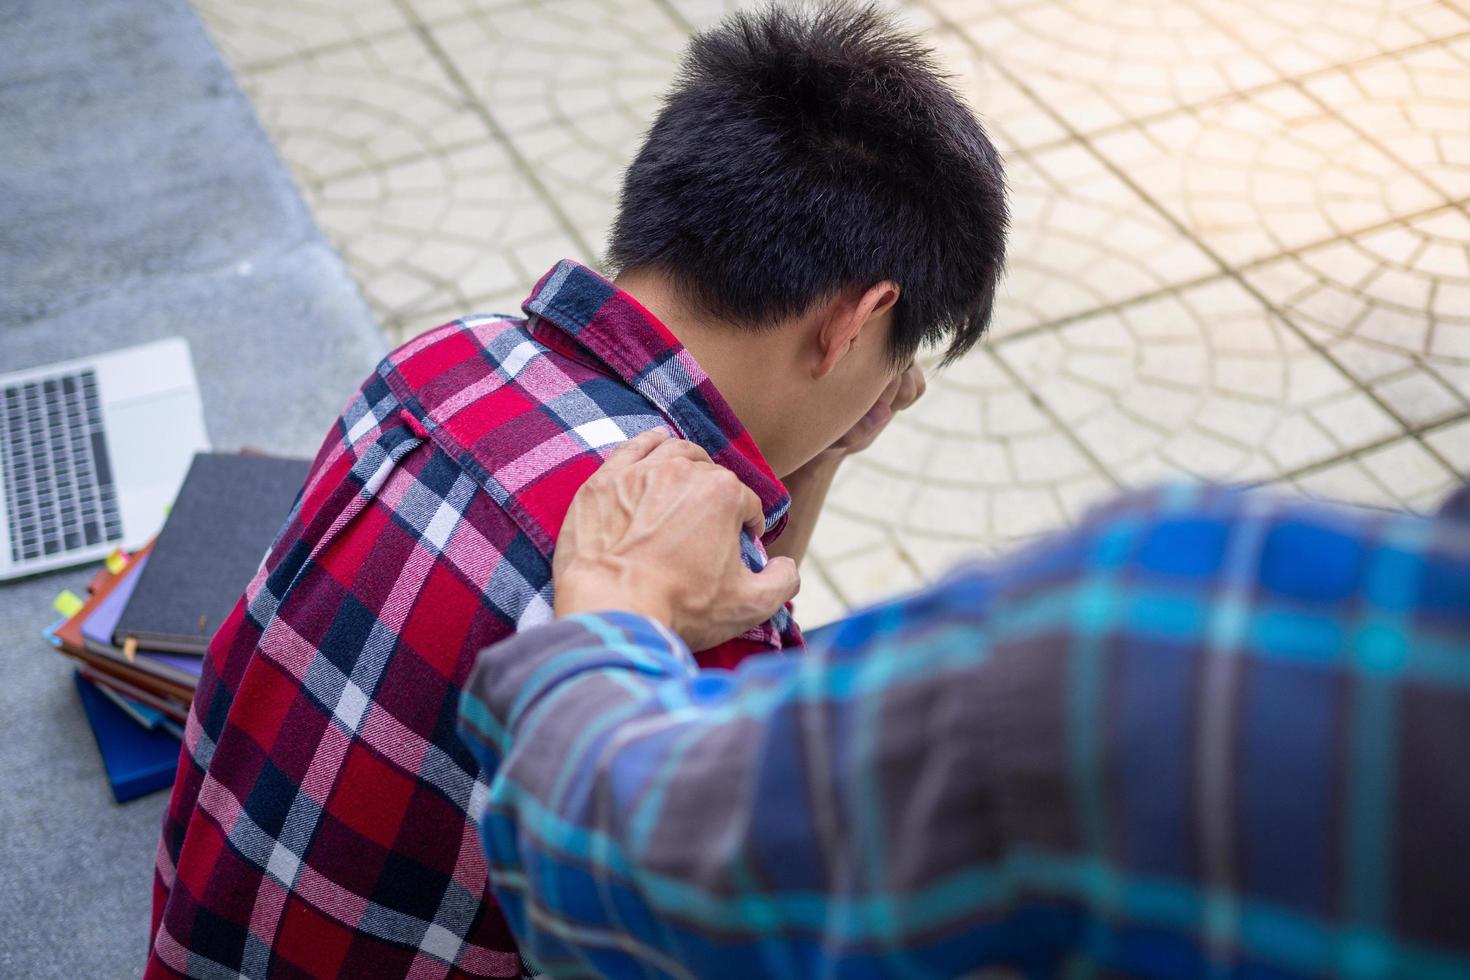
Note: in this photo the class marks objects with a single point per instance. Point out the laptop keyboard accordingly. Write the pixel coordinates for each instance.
(59, 492)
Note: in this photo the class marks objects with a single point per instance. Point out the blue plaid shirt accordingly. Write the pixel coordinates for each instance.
(1208, 732)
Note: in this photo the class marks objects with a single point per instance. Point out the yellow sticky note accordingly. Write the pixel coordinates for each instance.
(116, 561)
(67, 604)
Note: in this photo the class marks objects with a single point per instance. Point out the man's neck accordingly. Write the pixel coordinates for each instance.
(741, 363)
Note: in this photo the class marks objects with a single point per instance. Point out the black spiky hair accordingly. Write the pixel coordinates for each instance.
(806, 151)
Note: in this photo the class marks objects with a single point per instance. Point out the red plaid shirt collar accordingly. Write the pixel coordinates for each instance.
(582, 315)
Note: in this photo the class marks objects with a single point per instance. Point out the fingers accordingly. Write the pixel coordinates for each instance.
(912, 385)
(654, 445)
(677, 449)
(752, 516)
(904, 389)
(636, 448)
(664, 449)
(722, 488)
(771, 588)
(890, 392)
(878, 416)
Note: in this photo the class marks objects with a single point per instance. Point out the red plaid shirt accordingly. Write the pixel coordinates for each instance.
(322, 819)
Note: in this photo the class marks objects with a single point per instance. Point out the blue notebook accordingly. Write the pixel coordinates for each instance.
(144, 715)
(137, 761)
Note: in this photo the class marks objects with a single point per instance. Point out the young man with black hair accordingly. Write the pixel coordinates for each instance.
(811, 206)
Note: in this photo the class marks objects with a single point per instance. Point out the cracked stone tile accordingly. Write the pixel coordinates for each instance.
(434, 11)
(373, 103)
(1301, 36)
(1400, 475)
(1452, 441)
(582, 167)
(816, 604)
(871, 576)
(1203, 382)
(1410, 473)
(1264, 174)
(937, 556)
(1013, 119)
(1391, 305)
(1098, 65)
(1082, 240)
(699, 14)
(414, 321)
(250, 32)
(431, 235)
(838, 535)
(965, 11)
(539, 64)
(1415, 105)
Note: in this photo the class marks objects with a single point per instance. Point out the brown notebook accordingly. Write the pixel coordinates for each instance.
(69, 634)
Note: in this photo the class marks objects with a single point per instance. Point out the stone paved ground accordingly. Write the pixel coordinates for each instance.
(1241, 247)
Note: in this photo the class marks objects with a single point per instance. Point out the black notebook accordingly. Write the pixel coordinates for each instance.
(223, 522)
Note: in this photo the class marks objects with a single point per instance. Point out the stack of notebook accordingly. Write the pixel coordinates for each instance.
(140, 637)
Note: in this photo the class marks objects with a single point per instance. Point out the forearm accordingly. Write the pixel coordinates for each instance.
(593, 737)
(641, 812)
(808, 487)
(572, 722)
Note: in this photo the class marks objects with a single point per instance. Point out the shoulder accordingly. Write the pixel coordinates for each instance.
(478, 373)
(528, 423)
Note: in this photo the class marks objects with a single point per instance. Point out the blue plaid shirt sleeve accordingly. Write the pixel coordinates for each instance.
(1204, 732)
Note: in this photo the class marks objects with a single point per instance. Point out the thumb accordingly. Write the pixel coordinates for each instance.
(773, 586)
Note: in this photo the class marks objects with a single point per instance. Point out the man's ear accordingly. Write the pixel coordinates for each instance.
(844, 321)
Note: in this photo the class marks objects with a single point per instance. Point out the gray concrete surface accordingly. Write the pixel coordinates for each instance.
(138, 199)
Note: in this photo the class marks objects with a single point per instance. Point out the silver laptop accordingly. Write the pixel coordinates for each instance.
(93, 452)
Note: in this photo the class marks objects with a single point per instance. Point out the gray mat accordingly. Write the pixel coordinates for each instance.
(138, 199)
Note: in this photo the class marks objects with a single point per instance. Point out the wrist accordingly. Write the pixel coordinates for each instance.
(583, 588)
(831, 457)
(594, 603)
(824, 463)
